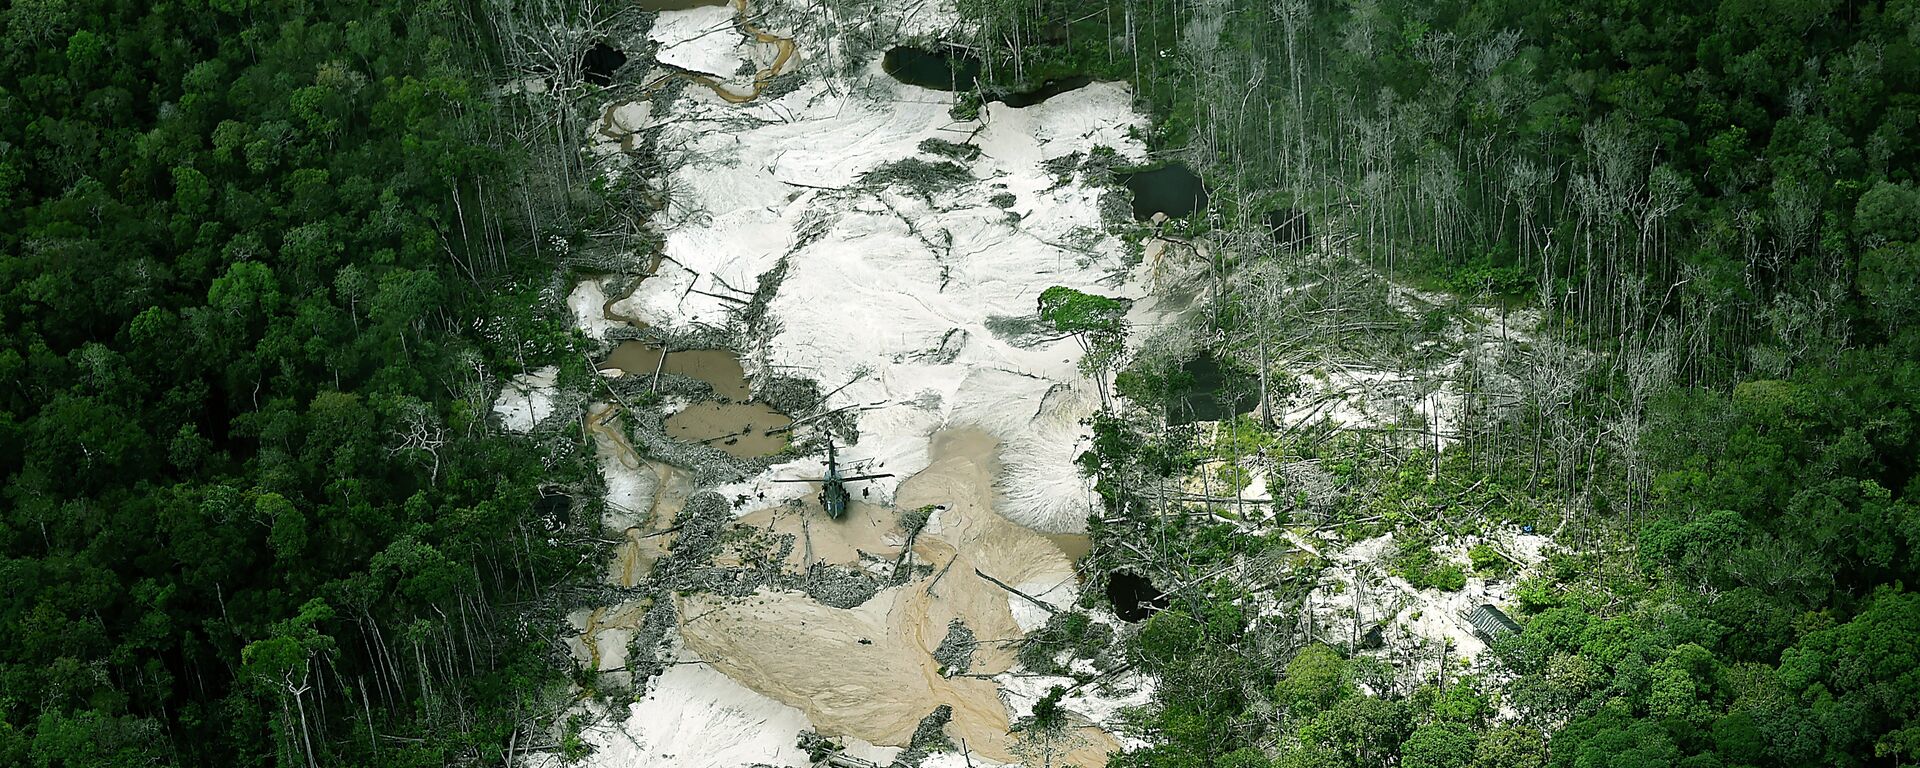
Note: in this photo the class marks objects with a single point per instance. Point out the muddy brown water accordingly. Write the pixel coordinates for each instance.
(743, 430)
(1075, 546)
(718, 367)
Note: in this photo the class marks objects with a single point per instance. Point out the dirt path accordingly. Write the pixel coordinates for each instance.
(869, 672)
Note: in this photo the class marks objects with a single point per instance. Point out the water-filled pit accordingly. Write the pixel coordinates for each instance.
(951, 69)
(945, 70)
(717, 367)
(599, 63)
(743, 430)
(1172, 189)
(1289, 227)
(1208, 390)
(1134, 597)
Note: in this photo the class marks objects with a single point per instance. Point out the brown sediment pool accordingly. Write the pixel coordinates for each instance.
(1074, 545)
(743, 430)
(733, 424)
(718, 367)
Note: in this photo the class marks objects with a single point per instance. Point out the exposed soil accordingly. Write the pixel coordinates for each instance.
(604, 632)
(867, 528)
(869, 672)
(644, 496)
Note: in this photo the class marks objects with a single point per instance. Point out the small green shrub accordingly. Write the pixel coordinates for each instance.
(919, 174)
(1420, 566)
(950, 149)
(1488, 560)
(967, 107)
(1449, 578)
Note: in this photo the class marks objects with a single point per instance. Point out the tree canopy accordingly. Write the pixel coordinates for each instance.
(243, 248)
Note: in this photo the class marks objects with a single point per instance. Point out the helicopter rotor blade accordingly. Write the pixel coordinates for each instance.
(865, 477)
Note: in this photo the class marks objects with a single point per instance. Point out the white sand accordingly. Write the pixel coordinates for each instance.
(1057, 592)
(695, 717)
(1101, 702)
(878, 279)
(702, 40)
(527, 400)
(587, 304)
(1419, 617)
(631, 484)
(959, 760)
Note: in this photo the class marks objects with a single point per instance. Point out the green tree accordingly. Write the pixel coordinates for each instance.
(1097, 322)
(1439, 745)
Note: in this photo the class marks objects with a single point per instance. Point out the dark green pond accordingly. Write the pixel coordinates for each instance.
(599, 63)
(1047, 90)
(1134, 597)
(944, 70)
(951, 69)
(1171, 189)
(1206, 390)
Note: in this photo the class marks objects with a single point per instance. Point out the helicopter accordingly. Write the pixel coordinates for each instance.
(833, 489)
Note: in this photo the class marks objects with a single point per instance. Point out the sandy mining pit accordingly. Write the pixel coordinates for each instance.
(869, 672)
(742, 428)
(643, 496)
(914, 287)
(864, 675)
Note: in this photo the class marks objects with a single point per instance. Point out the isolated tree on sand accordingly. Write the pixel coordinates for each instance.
(1098, 322)
(1046, 734)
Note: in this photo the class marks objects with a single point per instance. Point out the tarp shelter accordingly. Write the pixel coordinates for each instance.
(1489, 623)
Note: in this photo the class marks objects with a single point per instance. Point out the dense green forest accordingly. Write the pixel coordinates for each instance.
(1712, 205)
(253, 511)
